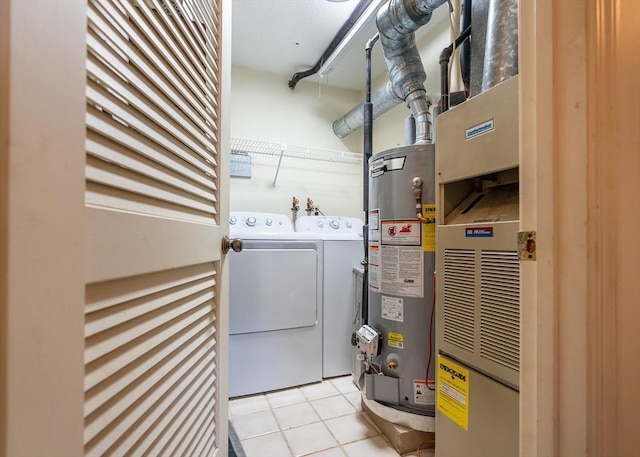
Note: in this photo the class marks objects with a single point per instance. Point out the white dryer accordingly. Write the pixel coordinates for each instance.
(343, 250)
(275, 305)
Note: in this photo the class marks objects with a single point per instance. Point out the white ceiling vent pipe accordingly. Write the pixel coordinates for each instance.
(397, 22)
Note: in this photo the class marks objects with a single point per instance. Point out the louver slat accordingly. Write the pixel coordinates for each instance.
(152, 143)
(459, 274)
(500, 308)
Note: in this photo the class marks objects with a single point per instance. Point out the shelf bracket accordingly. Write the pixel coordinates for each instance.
(282, 149)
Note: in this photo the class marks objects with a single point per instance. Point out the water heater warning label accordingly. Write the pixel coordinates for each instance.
(423, 393)
(393, 308)
(395, 340)
(404, 233)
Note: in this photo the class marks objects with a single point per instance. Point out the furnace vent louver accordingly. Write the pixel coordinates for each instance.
(500, 307)
(459, 298)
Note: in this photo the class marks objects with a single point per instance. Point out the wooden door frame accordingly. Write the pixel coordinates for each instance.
(579, 172)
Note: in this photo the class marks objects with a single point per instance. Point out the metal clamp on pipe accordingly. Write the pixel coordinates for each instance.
(416, 185)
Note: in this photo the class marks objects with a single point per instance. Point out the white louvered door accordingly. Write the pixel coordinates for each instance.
(154, 318)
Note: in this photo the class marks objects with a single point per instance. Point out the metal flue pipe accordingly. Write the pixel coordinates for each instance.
(501, 49)
(397, 21)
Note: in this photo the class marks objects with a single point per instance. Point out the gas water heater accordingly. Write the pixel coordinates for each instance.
(398, 342)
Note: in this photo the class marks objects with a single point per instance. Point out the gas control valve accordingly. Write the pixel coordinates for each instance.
(368, 342)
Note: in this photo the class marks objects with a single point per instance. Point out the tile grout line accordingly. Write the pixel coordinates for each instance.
(340, 393)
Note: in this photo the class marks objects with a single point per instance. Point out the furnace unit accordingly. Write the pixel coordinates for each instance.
(478, 276)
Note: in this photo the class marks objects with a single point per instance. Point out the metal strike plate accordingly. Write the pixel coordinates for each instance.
(527, 245)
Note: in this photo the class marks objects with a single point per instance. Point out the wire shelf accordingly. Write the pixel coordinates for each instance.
(239, 145)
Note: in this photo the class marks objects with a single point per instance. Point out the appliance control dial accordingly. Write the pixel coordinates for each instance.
(233, 220)
(251, 221)
(348, 224)
(320, 224)
(334, 224)
(269, 221)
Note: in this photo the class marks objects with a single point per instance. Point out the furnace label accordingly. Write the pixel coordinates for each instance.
(453, 391)
(393, 308)
(478, 232)
(480, 129)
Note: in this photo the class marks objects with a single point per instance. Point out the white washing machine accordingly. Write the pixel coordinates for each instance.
(343, 250)
(275, 305)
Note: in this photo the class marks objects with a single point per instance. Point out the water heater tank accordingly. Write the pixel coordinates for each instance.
(401, 263)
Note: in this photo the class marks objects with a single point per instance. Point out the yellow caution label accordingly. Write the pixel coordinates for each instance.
(395, 339)
(429, 228)
(453, 391)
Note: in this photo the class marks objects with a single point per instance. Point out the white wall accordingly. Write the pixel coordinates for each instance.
(263, 108)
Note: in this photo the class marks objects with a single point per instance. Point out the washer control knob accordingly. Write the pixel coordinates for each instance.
(233, 220)
(348, 224)
(334, 224)
(320, 224)
(251, 221)
(269, 221)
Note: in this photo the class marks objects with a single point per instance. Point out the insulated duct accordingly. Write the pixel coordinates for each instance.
(397, 22)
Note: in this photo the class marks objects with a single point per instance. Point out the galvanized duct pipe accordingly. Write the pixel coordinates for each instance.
(382, 100)
(397, 22)
(501, 48)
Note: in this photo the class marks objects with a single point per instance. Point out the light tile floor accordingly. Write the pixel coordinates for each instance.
(319, 420)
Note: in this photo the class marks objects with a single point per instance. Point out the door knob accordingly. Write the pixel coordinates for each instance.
(227, 244)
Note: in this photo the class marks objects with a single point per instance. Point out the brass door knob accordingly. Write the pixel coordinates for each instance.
(227, 244)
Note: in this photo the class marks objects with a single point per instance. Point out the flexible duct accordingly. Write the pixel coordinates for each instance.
(397, 22)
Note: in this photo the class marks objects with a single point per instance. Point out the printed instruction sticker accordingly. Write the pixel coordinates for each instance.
(403, 271)
(453, 391)
(393, 308)
(423, 393)
(374, 219)
(395, 339)
(374, 225)
(429, 228)
(373, 267)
